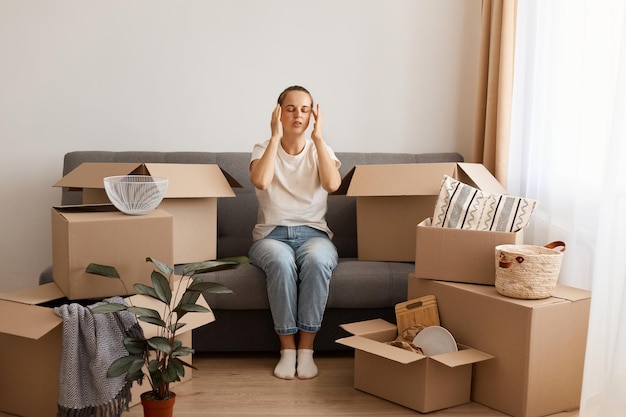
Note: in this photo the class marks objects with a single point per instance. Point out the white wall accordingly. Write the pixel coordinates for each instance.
(395, 76)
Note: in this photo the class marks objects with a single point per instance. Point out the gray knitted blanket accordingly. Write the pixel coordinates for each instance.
(91, 343)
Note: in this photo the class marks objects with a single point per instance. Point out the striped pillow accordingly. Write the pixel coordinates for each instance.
(461, 206)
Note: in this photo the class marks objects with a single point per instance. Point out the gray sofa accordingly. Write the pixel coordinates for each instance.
(359, 290)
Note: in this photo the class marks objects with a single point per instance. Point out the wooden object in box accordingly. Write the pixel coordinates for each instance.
(422, 310)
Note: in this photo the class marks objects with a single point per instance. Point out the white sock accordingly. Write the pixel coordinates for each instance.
(306, 365)
(286, 367)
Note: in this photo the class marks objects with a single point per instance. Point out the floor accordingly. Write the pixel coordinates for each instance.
(242, 385)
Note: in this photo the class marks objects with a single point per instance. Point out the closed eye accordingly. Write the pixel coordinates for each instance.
(291, 108)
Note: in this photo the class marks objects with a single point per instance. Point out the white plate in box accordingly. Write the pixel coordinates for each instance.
(435, 340)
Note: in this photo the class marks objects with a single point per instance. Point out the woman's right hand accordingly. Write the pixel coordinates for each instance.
(276, 124)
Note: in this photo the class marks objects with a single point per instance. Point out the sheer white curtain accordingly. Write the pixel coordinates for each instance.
(568, 150)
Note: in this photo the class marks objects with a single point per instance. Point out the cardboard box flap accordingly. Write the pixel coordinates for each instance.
(345, 183)
(185, 180)
(464, 356)
(368, 327)
(384, 350)
(87, 208)
(231, 180)
(398, 179)
(478, 175)
(27, 319)
(35, 295)
(101, 213)
(192, 180)
(90, 174)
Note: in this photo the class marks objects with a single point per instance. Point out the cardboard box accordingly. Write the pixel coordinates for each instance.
(191, 198)
(32, 336)
(458, 255)
(421, 383)
(392, 199)
(539, 345)
(101, 234)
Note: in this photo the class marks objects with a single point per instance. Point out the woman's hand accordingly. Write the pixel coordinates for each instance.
(276, 124)
(317, 124)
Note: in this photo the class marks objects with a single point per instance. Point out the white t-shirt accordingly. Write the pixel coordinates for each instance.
(295, 196)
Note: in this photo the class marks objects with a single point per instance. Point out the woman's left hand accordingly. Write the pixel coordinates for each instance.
(317, 124)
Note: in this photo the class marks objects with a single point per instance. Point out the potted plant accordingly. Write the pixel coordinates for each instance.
(161, 354)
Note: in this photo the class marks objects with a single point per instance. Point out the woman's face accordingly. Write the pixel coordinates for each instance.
(296, 111)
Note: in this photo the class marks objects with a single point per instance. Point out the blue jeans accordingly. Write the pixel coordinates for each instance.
(298, 262)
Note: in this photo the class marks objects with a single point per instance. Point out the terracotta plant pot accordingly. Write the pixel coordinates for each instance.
(157, 408)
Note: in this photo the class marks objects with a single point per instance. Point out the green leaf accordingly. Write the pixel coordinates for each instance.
(139, 341)
(174, 371)
(154, 365)
(177, 345)
(153, 320)
(160, 344)
(144, 312)
(102, 270)
(234, 262)
(198, 267)
(135, 345)
(188, 365)
(164, 268)
(241, 261)
(183, 351)
(176, 326)
(146, 290)
(183, 309)
(108, 308)
(162, 287)
(136, 367)
(193, 308)
(189, 297)
(137, 375)
(121, 366)
(212, 287)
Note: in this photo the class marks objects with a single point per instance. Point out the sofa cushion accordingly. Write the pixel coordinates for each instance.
(461, 206)
(354, 284)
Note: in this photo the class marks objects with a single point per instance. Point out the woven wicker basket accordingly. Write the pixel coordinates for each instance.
(528, 271)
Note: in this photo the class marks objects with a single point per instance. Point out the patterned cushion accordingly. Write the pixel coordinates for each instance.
(461, 206)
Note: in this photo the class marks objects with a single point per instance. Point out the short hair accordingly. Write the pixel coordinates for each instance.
(282, 95)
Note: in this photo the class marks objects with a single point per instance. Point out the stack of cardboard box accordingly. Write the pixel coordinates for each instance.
(181, 230)
(537, 346)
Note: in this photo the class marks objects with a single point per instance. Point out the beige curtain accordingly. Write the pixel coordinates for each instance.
(495, 86)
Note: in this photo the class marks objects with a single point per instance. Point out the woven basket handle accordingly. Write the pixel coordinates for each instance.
(556, 244)
(507, 264)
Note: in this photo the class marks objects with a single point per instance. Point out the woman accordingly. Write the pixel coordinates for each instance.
(292, 242)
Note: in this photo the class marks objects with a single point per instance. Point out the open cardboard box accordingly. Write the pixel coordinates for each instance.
(415, 381)
(447, 254)
(101, 234)
(191, 198)
(538, 345)
(31, 334)
(392, 199)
